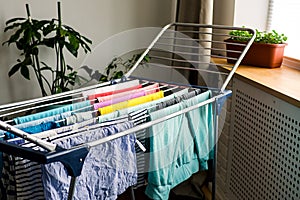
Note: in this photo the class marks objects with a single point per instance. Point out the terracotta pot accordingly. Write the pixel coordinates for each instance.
(260, 55)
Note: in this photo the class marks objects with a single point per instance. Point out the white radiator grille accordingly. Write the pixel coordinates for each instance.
(265, 159)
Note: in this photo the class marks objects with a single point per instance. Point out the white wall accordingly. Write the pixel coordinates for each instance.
(96, 19)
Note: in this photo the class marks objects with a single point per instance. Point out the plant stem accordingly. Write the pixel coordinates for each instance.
(46, 81)
(39, 75)
(36, 67)
(55, 78)
(62, 63)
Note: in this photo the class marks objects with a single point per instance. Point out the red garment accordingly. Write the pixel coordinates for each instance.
(94, 96)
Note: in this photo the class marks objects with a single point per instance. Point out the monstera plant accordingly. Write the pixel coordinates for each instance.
(30, 35)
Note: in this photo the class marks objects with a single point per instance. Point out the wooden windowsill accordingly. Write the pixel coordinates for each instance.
(283, 82)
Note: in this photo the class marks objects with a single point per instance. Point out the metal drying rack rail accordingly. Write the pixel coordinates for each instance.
(178, 46)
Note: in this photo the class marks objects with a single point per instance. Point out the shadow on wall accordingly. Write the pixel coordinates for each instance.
(5, 82)
(13, 88)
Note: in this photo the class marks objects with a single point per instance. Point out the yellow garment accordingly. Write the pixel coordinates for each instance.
(131, 102)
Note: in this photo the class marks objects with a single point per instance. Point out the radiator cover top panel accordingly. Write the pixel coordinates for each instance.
(264, 158)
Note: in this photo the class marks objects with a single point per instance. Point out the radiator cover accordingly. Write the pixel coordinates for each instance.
(264, 159)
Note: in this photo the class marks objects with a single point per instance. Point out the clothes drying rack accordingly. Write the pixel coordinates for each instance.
(196, 48)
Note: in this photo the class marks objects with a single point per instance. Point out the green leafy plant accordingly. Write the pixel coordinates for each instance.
(261, 37)
(30, 35)
(118, 67)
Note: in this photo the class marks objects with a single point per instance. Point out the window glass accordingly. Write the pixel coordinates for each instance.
(284, 17)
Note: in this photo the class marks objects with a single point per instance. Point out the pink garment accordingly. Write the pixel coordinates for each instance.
(111, 89)
(95, 96)
(124, 96)
(148, 90)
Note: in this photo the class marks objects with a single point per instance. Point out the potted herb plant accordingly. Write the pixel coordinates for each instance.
(29, 35)
(266, 51)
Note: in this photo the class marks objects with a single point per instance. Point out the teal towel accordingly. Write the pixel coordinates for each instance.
(179, 146)
(48, 113)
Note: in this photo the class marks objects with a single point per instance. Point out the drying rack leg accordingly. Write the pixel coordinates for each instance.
(132, 196)
(214, 162)
(72, 187)
(214, 172)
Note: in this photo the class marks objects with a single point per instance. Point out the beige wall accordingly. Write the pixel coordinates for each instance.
(224, 12)
(96, 19)
(241, 13)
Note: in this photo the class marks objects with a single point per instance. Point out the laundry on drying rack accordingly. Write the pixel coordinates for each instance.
(84, 119)
(125, 133)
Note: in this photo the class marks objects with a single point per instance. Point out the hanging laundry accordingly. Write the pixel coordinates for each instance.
(108, 170)
(173, 157)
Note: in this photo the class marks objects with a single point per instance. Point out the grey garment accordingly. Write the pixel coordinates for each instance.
(28, 178)
(98, 120)
(79, 117)
(177, 99)
(22, 177)
(165, 104)
(8, 179)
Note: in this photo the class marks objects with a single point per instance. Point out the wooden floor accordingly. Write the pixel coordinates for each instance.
(196, 187)
(140, 195)
(206, 192)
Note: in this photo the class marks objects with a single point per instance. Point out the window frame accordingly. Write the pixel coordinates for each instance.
(291, 62)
